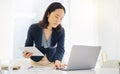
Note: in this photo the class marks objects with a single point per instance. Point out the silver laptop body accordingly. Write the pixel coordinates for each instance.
(83, 57)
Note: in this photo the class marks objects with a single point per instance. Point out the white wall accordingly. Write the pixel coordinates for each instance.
(23, 18)
(109, 27)
(6, 29)
(83, 22)
(97, 22)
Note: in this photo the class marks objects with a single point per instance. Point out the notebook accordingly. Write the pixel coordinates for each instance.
(83, 57)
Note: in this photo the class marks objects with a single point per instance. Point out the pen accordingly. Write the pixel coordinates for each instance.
(30, 67)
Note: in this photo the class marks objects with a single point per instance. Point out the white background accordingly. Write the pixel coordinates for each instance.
(87, 22)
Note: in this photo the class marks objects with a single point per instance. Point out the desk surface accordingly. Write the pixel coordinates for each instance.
(24, 70)
(99, 71)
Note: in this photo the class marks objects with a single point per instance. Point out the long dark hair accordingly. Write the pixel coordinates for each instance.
(52, 7)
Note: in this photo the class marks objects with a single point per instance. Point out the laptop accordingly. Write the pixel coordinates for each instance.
(83, 57)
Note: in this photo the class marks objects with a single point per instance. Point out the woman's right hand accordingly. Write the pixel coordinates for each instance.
(27, 54)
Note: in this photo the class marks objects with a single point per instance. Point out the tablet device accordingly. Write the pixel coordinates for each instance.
(33, 50)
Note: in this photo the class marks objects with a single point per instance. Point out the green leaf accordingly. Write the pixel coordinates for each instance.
(119, 63)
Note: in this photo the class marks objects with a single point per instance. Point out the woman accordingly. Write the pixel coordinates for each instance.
(48, 36)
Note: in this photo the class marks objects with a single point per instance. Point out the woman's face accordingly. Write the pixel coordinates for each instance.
(55, 17)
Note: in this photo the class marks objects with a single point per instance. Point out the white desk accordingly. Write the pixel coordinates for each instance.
(24, 65)
(100, 71)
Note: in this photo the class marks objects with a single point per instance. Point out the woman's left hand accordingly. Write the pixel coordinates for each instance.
(58, 65)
